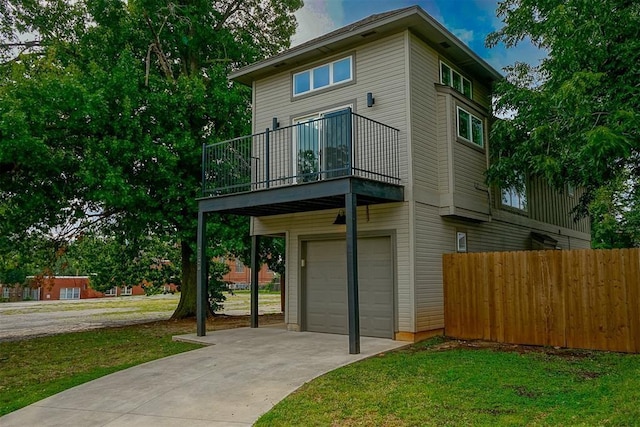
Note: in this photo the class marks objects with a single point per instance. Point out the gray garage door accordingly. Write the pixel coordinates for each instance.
(326, 287)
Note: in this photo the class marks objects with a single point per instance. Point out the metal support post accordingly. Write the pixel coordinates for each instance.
(352, 273)
(202, 279)
(255, 271)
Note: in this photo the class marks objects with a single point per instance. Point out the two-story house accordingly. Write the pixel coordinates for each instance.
(369, 150)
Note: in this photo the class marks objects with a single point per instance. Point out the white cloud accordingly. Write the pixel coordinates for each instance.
(314, 19)
(463, 34)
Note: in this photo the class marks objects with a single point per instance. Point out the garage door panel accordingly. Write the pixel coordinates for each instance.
(326, 287)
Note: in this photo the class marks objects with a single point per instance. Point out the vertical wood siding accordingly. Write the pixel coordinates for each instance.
(580, 299)
(553, 206)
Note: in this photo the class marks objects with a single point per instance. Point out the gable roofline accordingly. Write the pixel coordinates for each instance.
(373, 27)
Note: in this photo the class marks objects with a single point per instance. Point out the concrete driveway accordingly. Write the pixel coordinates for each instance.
(238, 377)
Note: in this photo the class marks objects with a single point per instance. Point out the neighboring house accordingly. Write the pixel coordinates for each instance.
(239, 275)
(12, 293)
(388, 117)
(71, 287)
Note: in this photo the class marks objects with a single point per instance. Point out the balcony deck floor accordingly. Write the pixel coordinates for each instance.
(319, 195)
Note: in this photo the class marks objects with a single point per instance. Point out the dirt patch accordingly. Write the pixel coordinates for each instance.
(566, 353)
(216, 323)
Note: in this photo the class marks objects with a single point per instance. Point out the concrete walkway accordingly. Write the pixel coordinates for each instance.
(238, 377)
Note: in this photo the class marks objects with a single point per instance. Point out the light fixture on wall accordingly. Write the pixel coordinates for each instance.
(370, 99)
(341, 219)
(274, 123)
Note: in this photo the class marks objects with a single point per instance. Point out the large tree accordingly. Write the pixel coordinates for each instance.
(575, 117)
(105, 105)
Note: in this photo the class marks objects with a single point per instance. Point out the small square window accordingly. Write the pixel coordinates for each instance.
(461, 241)
(321, 77)
(470, 127)
(302, 82)
(342, 70)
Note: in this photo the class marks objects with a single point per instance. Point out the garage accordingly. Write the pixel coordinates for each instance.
(326, 286)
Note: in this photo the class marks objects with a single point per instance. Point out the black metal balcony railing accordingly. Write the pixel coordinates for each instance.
(337, 145)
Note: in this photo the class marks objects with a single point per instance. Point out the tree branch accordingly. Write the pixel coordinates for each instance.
(231, 9)
(157, 48)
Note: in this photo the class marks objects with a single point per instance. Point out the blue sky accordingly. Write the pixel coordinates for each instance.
(470, 20)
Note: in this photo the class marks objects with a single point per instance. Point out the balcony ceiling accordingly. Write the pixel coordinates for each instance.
(326, 194)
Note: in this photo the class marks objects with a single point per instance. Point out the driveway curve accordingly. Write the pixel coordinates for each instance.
(239, 376)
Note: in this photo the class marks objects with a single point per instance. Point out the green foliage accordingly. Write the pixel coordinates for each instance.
(426, 386)
(217, 285)
(576, 116)
(103, 115)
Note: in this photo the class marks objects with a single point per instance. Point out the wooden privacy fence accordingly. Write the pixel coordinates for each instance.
(579, 299)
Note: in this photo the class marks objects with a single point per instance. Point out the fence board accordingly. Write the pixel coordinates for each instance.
(579, 299)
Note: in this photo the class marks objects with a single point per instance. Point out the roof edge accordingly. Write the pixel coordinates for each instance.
(242, 75)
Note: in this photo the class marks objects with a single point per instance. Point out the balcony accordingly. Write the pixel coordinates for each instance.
(314, 161)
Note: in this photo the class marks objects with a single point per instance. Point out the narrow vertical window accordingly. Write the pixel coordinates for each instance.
(461, 241)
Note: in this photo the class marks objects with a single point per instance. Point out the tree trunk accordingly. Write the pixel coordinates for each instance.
(188, 289)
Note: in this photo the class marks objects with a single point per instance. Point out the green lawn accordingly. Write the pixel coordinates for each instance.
(36, 368)
(441, 384)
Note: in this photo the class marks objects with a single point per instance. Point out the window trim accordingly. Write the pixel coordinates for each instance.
(470, 127)
(460, 248)
(126, 291)
(462, 80)
(73, 293)
(331, 77)
(317, 115)
(521, 196)
(239, 266)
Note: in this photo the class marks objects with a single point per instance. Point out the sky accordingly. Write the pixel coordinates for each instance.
(469, 20)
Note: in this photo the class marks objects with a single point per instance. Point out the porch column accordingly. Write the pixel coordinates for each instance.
(255, 272)
(352, 273)
(201, 287)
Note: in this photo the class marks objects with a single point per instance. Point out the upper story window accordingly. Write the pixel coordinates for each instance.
(326, 75)
(513, 198)
(470, 127)
(450, 77)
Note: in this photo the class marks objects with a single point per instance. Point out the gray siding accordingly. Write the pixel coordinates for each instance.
(424, 73)
(387, 217)
(435, 235)
(554, 207)
(379, 67)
